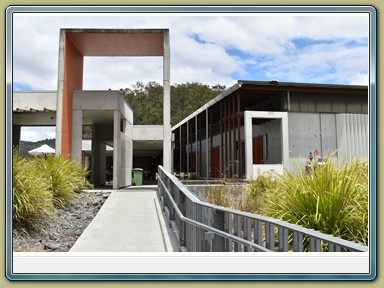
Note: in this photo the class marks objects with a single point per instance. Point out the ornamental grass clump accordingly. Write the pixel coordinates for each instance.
(257, 188)
(332, 198)
(66, 177)
(31, 198)
(229, 195)
(40, 184)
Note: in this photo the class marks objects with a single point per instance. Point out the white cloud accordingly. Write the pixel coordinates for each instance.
(208, 49)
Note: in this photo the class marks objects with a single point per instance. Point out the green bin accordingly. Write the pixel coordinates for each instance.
(137, 176)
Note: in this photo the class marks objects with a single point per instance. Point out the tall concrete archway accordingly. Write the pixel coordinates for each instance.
(77, 43)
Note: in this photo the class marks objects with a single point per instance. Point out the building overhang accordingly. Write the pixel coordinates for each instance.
(117, 42)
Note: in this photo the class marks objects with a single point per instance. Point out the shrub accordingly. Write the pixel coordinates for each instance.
(257, 188)
(229, 195)
(66, 177)
(40, 184)
(332, 199)
(31, 198)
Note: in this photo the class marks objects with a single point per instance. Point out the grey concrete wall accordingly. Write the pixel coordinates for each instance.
(34, 99)
(352, 135)
(328, 134)
(309, 132)
(96, 100)
(147, 132)
(248, 132)
(273, 131)
(304, 136)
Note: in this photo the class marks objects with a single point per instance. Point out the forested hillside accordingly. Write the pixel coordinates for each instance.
(146, 101)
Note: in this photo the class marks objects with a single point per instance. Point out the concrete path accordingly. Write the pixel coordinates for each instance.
(131, 220)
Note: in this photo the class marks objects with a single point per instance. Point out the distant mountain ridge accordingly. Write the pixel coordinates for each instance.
(26, 146)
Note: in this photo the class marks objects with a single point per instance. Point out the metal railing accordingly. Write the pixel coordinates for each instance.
(204, 227)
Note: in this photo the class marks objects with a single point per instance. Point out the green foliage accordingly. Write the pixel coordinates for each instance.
(66, 177)
(332, 199)
(256, 190)
(40, 184)
(31, 198)
(146, 101)
(229, 195)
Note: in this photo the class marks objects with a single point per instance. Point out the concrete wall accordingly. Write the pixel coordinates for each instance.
(260, 169)
(122, 156)
(95, 100)
(119, 132)
(147, 132)
(35, 100)
(248, 132)
(352, 135)
(304, 136)
(273, 131)
(346, 135)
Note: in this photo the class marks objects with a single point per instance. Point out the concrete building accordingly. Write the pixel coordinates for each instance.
(250, 127)
(70, 108)
(261, 126)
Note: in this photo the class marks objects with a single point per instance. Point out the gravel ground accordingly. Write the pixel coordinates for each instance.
(60, 235)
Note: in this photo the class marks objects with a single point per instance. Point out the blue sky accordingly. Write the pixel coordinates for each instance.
(211, 49)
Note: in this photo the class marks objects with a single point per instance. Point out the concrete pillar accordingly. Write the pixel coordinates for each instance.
(60, 94)
(16, 130)
(167, 147)
(98, 165)
(284, 139)
(248, 145)
(77, 134)
(116, 149)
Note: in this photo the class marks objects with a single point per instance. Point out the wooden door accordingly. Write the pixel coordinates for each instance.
(257, 150)
(215, 162)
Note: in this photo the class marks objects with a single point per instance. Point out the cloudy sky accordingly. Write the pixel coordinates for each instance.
(209, 49)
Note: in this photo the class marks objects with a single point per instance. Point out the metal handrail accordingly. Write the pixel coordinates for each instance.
(209, 228)
(291, 227)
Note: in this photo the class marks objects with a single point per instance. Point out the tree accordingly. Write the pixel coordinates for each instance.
(146, 100)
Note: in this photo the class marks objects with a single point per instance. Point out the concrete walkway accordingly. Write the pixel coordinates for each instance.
(131, 220)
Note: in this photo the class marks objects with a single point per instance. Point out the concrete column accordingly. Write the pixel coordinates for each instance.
(77, 134)
(167, 147)
(248, 145)
(284, 139)
(98, 165)
(60, 93)
(116, 149)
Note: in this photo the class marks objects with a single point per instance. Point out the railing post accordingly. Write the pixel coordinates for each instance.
(228, 229)
(297, 242)
(171, 208)
(247, 233)
(270, 236)
(218, 223)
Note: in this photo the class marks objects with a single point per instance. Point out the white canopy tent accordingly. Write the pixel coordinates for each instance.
(42, 150)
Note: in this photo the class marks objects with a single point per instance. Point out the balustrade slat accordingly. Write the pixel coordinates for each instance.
(297, 242)
(258, 232)
(247, 233)
(283, 239)
(270, 236)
